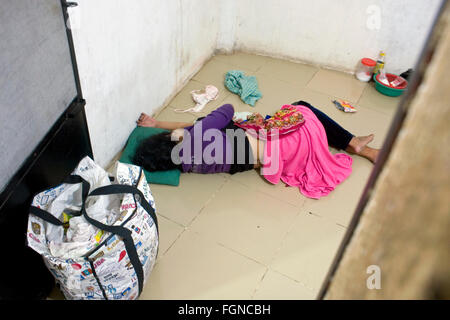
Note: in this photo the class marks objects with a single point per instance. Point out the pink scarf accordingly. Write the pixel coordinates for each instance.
(304, 160)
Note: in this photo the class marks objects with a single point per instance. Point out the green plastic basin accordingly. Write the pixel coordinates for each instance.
(388, 91)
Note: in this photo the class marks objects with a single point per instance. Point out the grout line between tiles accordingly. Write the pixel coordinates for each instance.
(342, 226)
(283, 241)
(260, 67)
(178, 236)
(333, 221)
(295, 86)
(265, 193)
(273, 258)
(325, 218)
(295, 280)
(309, 81)
(171, 220)
(314, 214)
(335, 97)
(237, 252)
(258, 285)
(303, 203)
(329, 95)
(173, 243)
(379, 112)
(360, 95)
(233, 65)
(213, 195)
(189, 224)
(359, 100)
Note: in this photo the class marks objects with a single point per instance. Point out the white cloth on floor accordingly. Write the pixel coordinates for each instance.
(202, 97)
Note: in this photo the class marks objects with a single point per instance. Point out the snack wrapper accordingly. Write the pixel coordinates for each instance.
(344, 106)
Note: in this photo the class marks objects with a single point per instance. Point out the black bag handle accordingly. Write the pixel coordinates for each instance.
(123, 189)
(121, 231)
(48, 217)
(74, 179)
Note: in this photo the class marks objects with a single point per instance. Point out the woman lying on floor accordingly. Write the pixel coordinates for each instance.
(301, 158)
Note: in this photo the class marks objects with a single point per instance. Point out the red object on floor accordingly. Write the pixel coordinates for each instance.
(368, 62)
(391, 77)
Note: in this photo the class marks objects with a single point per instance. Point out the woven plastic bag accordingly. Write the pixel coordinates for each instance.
(98, 239)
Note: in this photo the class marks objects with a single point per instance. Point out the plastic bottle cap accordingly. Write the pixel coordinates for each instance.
(368, 62)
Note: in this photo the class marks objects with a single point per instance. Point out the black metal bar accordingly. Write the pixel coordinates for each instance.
(64, 6)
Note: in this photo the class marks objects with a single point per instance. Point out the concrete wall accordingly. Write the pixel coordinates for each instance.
(336, 34)
(228, 17)
(135, 55)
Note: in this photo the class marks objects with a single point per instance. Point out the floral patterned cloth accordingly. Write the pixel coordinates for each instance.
(285, 120)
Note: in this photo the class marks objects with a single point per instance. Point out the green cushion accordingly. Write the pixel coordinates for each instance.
(169, 177)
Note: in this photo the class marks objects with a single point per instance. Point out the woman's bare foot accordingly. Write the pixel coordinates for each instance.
(357, 144)
(370, 153)
(146, 121)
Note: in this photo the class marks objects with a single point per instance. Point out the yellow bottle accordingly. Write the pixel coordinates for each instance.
(380, 63)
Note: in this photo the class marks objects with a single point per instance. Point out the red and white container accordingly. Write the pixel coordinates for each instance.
(365, 69)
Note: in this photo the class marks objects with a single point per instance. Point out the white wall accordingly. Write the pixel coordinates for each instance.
(228, 17)
(334, 33)
(133, 56)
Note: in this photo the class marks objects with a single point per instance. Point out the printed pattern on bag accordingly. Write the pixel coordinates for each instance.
(109, 264)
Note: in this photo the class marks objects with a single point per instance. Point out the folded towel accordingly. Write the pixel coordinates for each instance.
(246, 87)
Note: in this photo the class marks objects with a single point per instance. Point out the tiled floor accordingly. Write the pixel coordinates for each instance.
(239, 237)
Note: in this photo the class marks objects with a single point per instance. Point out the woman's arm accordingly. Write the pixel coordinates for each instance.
(218, 119)
(147, 121)
(172, 125)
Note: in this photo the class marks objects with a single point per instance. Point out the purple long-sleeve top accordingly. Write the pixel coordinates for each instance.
(210, 150)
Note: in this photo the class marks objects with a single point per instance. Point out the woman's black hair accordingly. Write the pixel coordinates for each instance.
(154, 153)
